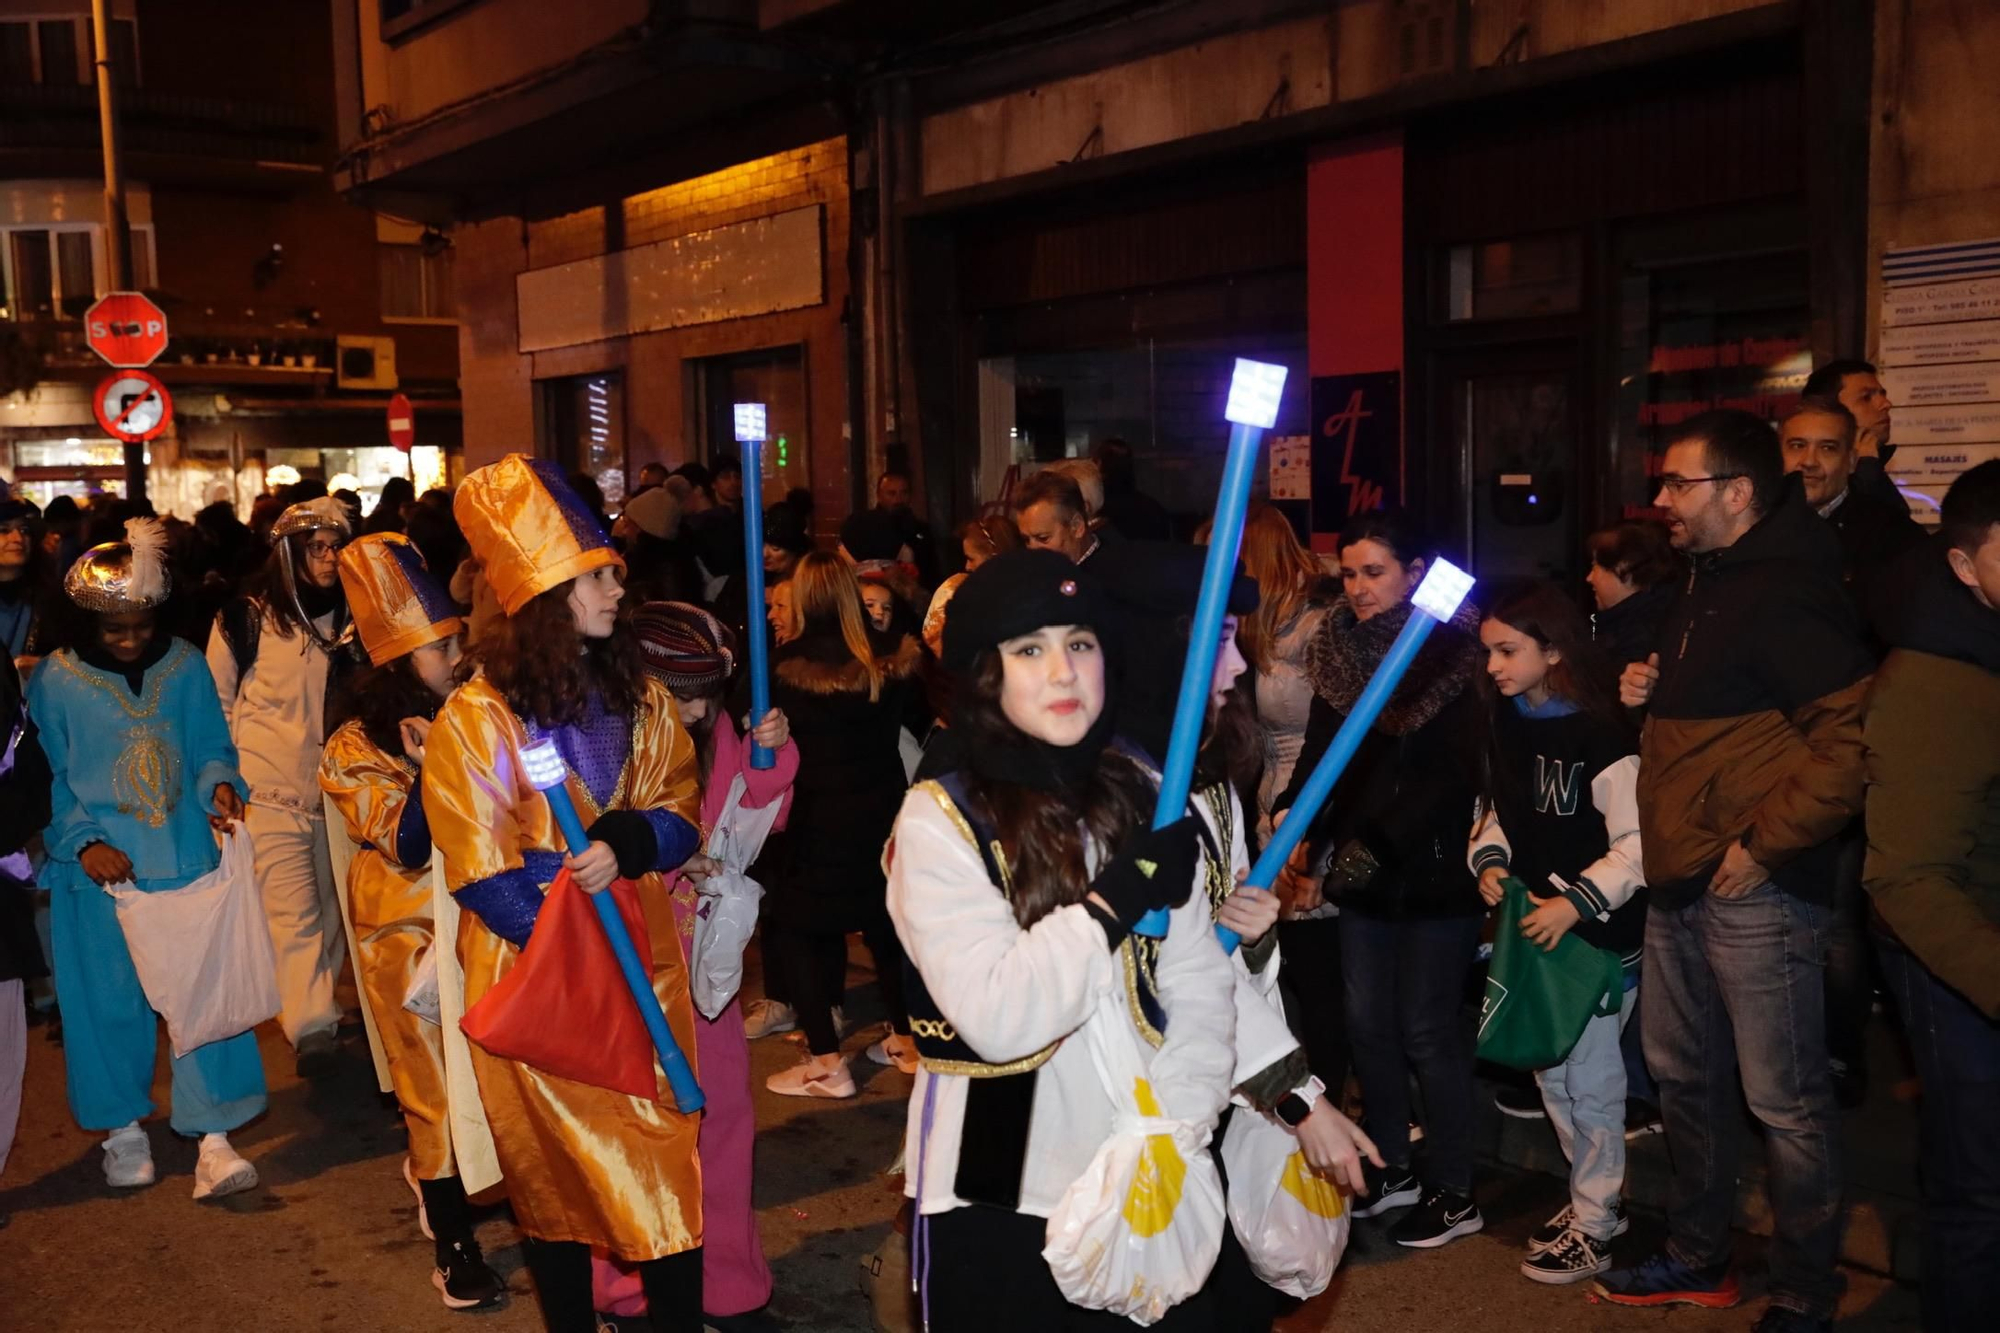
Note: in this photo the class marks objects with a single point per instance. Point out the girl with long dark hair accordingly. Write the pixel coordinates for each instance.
(1559, 812)
(584, 1165)
(1014, 884)
(372, 774)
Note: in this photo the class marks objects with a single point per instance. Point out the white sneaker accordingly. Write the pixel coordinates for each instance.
(815, 1076)
(221, 1169)
(423, 1213)
(765, 1018)
(128, 1158)
(895, 1050)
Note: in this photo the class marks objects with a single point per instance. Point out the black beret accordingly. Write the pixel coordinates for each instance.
(785, 529)
(1015, 594)
(1163, 578)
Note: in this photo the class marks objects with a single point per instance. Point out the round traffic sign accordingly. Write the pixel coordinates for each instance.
(132, 406)
(402, 422)
(126, 329)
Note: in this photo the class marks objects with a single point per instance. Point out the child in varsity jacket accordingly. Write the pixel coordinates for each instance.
(1559, 813)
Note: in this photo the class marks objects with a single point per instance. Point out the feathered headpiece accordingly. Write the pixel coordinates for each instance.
(123, 576)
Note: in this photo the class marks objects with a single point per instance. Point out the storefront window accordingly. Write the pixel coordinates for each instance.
(583, 428)
(72, 465)
(775, 377)
(1523, 277)
(1163, 399)
(1705, 334)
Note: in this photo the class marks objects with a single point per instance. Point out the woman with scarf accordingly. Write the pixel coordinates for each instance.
(848, 691)
(276, 655)
(585, 1166)
(1014, 883)
(1387, 848)
(371, 774)
(143, 774)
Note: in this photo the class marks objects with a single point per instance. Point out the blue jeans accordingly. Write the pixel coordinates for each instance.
(1957, 1050)
(1405, 991)
(1735, 991)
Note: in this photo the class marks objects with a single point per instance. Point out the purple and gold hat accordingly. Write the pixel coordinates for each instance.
(529, 529)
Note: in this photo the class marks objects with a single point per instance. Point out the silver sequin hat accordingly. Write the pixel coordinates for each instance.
(123, 576)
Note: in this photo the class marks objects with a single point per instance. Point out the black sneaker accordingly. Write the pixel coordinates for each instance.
(1523, 1103)
(1574, 1257)
(1558, 1226)
(318, 1054)
(1777, 1319)
(1394, 1187)
(462, 1278)
(1440, 1219)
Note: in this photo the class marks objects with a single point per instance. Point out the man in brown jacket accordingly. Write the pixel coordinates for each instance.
(1933, 874)
(1749, 764)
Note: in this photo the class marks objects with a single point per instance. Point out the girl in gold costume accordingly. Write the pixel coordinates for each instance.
(584, 1165)
(371, 772)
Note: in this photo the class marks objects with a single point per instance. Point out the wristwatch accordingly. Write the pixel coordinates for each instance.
(1296, 1105)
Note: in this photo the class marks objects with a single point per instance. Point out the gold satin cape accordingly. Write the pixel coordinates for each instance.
(390, 907)
(581, 1163)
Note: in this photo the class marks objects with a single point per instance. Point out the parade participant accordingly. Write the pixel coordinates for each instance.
(22, 580)
(1558, 812)
(584, 1165)
(848, 692)
(24, 810)
(143, 776)
(275, 654)
(1013, 883)
(372, 772)
(690, 651)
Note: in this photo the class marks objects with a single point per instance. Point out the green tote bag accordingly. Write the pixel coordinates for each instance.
(1538, 1002)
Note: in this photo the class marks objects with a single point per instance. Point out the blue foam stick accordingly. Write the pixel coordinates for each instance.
(687, 1092)
(753, 568)
(1388, 674)
(1198, 673)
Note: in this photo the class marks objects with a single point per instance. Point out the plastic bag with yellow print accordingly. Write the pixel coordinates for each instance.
(1291, 1221)
(1138, 1232)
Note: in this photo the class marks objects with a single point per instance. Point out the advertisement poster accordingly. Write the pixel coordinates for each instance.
(1940, 361)
(1357, 446)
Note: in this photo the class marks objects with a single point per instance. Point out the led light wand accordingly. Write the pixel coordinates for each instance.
(545, 770)
(752, 427)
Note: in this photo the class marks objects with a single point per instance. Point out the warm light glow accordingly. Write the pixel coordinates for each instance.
(284, 474)
(343, 481)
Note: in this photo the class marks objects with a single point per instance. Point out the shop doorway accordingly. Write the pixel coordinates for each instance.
(773, 376)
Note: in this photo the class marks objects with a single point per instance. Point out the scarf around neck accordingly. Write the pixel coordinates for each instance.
(1020, 759)
(1346, 651)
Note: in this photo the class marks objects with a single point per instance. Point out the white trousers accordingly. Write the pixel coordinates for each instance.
(1585, 1097)
(296, 881)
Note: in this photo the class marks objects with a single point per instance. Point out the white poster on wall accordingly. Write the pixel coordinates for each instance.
(1940, 358)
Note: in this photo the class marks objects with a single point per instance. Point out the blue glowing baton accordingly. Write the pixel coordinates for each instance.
(544, 767)
(751, 429)
(1436, 599)
(1254, 391)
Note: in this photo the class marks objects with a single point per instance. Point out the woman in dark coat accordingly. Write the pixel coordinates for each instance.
(848, 691)
(1634, 576)
(1389, 848)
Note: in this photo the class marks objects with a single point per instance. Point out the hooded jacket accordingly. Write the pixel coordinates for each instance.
(1933, 738)
(1753, 735)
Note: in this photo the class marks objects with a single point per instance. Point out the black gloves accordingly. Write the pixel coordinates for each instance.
(1155, 869)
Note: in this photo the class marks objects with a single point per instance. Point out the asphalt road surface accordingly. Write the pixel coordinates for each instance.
(328, 1240)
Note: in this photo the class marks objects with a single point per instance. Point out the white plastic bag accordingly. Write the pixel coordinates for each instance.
(420, 997)
(1291, 1221)
(202, 951)
(726, 916)
(1138, 1232)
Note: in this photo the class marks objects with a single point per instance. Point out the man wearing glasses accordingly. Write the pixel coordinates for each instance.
(1750, 765)
(276, 654)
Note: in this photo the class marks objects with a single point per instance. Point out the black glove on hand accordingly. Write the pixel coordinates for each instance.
(1154, 869)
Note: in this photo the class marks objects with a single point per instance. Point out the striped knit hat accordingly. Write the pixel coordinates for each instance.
(686, 648)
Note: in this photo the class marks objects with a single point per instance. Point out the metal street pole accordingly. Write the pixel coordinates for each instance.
(117, 233)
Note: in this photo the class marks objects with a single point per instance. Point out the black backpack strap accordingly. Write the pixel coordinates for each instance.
(242, 621)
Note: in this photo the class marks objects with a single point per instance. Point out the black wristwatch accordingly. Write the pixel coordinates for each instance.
(1295, 1106)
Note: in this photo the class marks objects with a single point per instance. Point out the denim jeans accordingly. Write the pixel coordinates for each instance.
(1957, 1051)
(1405, 990)
(1585, 1098)
(1735, 991)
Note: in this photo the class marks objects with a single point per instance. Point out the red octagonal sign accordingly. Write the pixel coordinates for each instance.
(126, 329)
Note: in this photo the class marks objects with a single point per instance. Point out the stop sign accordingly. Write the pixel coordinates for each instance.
(126, 329)
(402, 423)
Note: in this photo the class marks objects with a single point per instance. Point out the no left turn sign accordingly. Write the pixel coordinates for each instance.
(133, 406)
